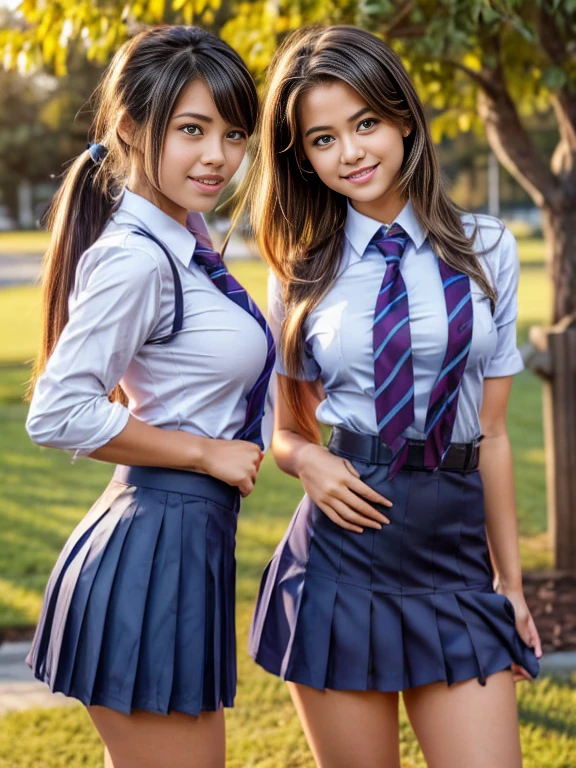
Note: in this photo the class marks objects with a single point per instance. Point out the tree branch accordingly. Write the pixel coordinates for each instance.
(564, 99)
(395, 24)
(478, 77)
(507, 135)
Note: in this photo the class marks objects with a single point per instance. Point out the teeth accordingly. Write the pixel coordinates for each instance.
(210, 182)
(358, 175)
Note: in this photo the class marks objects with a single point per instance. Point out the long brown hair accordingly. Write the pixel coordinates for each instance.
(298, 220)
(143, 82)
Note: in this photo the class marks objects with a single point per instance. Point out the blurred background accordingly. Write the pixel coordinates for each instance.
(498, 78)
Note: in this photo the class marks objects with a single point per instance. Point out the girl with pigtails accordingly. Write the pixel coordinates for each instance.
(156, 359)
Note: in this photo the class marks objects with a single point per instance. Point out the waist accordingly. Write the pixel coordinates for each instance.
(461, 457)
(179, 481)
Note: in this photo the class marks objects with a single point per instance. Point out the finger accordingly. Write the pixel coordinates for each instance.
(362, 507)
(351, 468)
(524, 632)
(520, 673)
(335, 517)
(360, 487)
(351, 516)
(246, 487)
(535, 637)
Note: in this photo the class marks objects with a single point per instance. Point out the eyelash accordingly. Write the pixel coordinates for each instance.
(316, 142)
(193, 125)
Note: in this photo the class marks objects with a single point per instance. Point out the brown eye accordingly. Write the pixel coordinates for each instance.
(319, 142)
(185, 128)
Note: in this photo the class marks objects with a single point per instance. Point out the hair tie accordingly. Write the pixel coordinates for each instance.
(97, 151)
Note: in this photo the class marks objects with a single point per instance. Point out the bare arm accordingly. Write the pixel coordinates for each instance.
(331, 482)
(140, 444)
(497, 472)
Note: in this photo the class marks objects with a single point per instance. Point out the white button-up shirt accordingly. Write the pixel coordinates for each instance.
(123, 295)
(339, 329)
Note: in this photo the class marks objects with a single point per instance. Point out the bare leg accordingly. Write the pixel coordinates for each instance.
(467, 724)
(349, 728)
(107, 759)
(148, 740)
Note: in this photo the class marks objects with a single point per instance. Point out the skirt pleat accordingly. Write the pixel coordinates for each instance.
(80, 582)
(90, 638)
(192, 631)
(139, 609)
(408, 605)
(155, 671)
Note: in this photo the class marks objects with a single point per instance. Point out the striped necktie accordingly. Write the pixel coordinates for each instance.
(443, 402)
(393, 369)
(393, 372)
(225, 282)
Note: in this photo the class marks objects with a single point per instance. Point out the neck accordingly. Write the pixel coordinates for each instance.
(141, 186)
(383, 209)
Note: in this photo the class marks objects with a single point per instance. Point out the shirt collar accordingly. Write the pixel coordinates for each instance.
(360, 229)
(181, 241)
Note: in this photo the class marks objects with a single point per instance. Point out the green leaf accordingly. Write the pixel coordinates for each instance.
(554, 78)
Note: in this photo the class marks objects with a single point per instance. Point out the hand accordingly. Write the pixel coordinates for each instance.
(526, 629)
(236, 462)
(334, 486)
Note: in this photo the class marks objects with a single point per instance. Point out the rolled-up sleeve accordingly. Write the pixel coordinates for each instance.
(506, 360)
(113, 310)
(276, 313)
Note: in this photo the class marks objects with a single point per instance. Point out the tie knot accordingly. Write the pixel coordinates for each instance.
(207, 258)
(390, 242)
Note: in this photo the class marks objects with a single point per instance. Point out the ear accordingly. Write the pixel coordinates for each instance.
(407, 128)
(126, 129)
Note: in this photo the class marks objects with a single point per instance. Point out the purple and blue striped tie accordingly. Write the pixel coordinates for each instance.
(393, 372)
(443, 402)
(225, 282)
(393, 369)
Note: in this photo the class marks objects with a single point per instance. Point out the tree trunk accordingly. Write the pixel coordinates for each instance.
(560, 439)
(559, 224)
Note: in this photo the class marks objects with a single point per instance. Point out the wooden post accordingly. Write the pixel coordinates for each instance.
(559, 374)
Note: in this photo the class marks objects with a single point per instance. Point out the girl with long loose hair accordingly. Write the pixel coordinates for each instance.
(156, 359)
(396, 313)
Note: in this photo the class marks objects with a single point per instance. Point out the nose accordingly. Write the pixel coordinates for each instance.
(213, 152)
(351, 150)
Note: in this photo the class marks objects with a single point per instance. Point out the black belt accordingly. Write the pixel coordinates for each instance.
(461, 457)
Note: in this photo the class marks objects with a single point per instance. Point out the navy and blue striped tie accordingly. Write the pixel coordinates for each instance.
(225, 282)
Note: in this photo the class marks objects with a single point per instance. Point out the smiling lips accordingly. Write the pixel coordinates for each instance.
(362, 174)
(208, 182)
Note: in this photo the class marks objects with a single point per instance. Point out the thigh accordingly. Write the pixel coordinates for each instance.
(346, 728)
(149, 740)
(467, 723)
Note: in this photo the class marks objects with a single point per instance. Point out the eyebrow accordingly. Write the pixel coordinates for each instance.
(355, 116)
(195, 115)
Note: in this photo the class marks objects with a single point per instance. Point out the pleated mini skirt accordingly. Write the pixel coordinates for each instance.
(390, 609)
(139, 609)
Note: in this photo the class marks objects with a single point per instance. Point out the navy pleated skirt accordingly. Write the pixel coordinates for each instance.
(139, 609)
(407, 605)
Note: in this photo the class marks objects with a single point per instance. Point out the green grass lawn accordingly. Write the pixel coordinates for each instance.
(37, 515)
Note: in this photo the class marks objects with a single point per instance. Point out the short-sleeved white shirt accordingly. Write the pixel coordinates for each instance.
(338, 331)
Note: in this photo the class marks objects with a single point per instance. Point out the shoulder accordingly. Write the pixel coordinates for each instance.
(123, 257)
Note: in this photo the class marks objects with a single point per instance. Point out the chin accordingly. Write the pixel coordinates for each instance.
(369, 195)
(203, 204)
